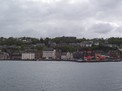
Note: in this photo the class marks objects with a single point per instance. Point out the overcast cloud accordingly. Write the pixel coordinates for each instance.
(52, 18)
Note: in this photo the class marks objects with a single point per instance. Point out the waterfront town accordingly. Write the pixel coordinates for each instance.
(61, 48)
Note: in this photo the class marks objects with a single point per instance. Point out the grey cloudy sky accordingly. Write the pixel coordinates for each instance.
(52, 18)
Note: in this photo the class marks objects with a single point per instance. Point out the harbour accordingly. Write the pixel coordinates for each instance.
(60, 76)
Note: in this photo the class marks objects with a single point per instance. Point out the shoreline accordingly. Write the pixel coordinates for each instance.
(90, 61)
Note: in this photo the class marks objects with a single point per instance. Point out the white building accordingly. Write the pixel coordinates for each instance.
(87, 44)
(28, 56)
(49, 54)
(67, 56)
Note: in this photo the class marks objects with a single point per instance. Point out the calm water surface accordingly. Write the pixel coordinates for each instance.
(60, 76)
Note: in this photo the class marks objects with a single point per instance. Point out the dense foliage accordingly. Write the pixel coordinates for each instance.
(61, 43)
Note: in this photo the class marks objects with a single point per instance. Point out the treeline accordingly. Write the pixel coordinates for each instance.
(113, 40)
(60, 43)
(57, 40)
(29, 40)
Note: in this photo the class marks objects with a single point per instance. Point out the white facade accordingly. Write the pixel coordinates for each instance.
(28, 56)
(67, 56)
(64, 57)
(86, 44)
(49, 54)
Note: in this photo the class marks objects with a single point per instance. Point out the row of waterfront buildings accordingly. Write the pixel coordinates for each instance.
(52, 54)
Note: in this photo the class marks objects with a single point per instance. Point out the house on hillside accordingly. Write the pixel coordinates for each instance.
(111, 45)
(86, 44)
(96, 43)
